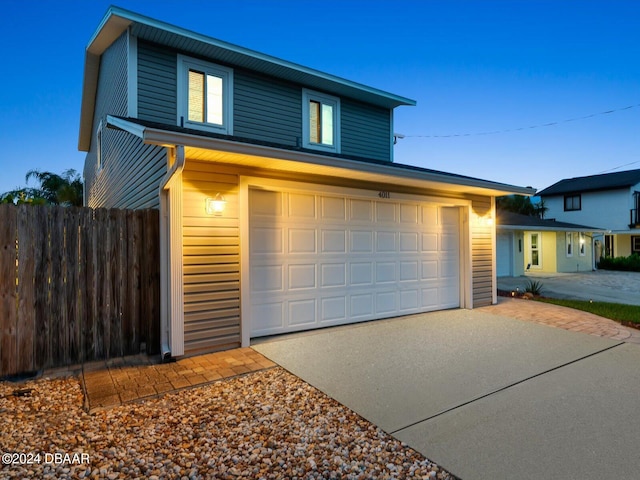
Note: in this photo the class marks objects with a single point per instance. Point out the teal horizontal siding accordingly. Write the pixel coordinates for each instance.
(157, 80)
(366, 130)
(266, 109)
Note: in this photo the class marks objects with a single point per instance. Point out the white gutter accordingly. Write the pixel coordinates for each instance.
(171, 286)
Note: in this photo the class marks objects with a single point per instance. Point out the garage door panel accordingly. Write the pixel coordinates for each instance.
(361, 306)
(302, 312)
(302, 240)
(333, 241)
(385, 272)
(386, 242)
(267, 278)
(361, 241)
(302, 276)
(331, 260)
(265, 203)
(333, 208)
(267, 240)
(409, 271)
(333, 309)
(333, 275)
(361, 273)
(385, 212)
(302, 206)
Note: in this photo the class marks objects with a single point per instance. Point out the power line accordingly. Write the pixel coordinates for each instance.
(619, 166)
(550, 124)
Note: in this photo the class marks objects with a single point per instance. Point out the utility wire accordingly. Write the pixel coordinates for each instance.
(619, 166)
(550, 124)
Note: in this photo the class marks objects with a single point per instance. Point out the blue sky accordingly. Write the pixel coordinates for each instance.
(473, 67)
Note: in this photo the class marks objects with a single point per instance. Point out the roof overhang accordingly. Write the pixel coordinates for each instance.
(559, 228)
(116, 21)
(293, 161)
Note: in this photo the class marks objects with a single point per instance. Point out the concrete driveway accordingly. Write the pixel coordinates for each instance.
(602, 285)
(485, 396)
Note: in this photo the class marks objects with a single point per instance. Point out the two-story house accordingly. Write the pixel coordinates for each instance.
(611, 201)
(281, 207)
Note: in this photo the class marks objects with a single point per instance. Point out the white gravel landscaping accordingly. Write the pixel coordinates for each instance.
(266, 425)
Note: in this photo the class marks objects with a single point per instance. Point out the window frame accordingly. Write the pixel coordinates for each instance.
(568, 246)
(309, 96)
(99, 159)
(573, 207)
(225, 73)
(537, 249)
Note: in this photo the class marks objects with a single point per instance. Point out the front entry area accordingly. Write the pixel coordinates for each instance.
(320, 258)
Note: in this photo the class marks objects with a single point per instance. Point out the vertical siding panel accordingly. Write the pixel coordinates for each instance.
(8, 313)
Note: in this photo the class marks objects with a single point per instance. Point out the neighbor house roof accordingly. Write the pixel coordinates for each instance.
(606, 181)
(117, 20)
(213, 147)
(516, 221)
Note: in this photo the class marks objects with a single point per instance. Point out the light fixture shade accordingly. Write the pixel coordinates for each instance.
(215, 205)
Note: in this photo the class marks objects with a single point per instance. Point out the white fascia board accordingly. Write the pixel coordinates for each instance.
(521, 228)
(166, 138)
(131, 127)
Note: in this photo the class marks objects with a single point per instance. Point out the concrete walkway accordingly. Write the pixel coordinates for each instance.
(601, 285)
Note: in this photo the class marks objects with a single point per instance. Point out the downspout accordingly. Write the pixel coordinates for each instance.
(176, 160)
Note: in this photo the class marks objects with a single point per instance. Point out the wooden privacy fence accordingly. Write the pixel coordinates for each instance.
(76, 285)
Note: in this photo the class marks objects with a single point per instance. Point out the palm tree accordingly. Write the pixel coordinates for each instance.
(54, 189)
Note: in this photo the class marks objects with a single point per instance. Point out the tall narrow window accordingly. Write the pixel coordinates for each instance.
(569, 244)
(535, 249)
(321, 121)
(205, 95)
(583, 241)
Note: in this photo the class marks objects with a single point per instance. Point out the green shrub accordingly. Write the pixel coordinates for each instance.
(533, 287)
(628, 264)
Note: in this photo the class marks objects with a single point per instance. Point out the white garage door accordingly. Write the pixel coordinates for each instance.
(318, 260)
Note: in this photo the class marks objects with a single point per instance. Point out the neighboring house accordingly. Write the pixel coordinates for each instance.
(531, 244)
(281, 208)
(610, 200)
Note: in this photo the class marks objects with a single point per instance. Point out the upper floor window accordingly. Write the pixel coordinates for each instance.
(205, 95)
(320, 121)
(572, 202)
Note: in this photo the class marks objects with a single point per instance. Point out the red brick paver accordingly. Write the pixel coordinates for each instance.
(563, 317)
(122, 380)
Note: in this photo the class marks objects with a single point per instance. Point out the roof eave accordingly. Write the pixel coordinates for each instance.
(166, 138)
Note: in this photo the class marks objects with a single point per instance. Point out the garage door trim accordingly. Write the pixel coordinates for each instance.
(247, 183)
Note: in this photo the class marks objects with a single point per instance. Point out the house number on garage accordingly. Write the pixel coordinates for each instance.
(384, 194)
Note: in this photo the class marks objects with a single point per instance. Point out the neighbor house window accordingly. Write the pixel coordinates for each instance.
(534, 249)
(635, 244)
(583, 242)
(569, 244)
(572, 202)
(320, 121)
(205, 95)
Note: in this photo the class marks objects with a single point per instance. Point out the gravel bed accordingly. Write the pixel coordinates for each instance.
(266, 425)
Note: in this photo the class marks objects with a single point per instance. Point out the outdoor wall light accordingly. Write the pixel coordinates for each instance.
(215, 205)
